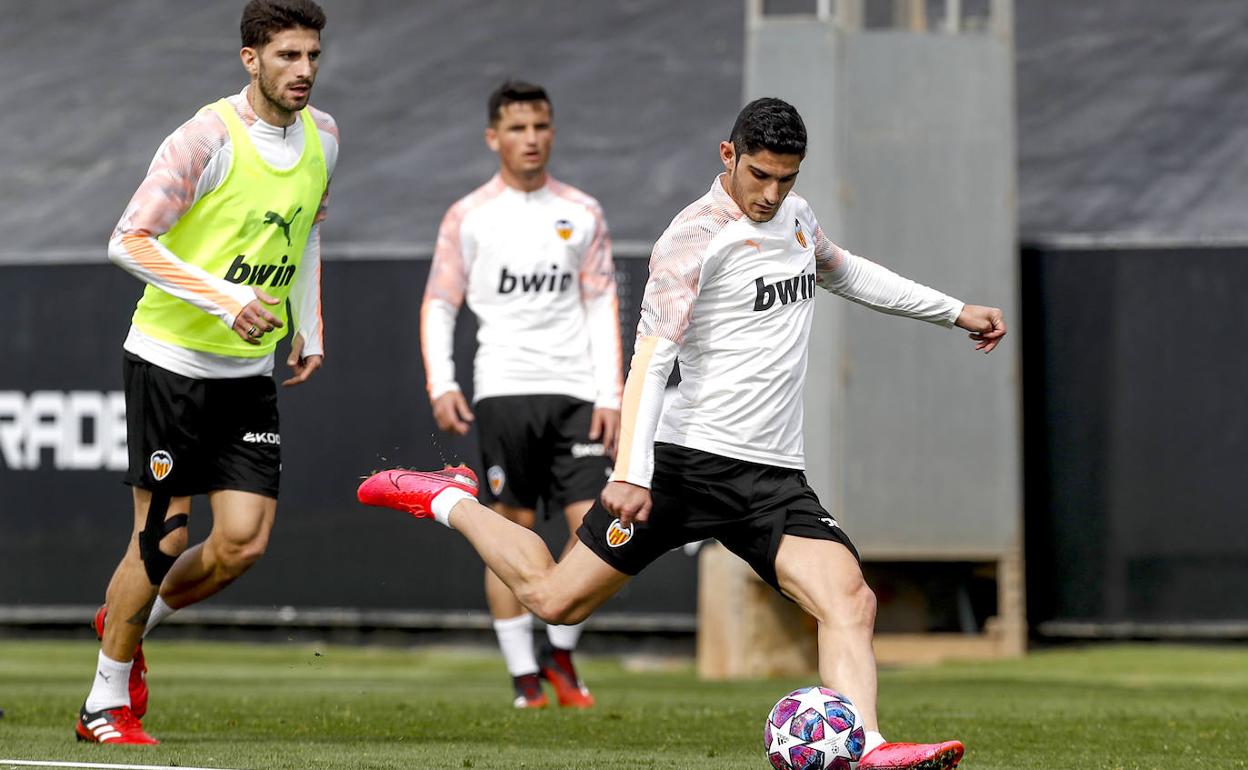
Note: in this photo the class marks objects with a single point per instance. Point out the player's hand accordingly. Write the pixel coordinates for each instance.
(985, 324)
(626, 502)
(302, 365)
(451, 412)
(254, 321)
(604, 426)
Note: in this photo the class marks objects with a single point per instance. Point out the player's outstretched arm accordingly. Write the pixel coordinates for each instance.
(985, 324)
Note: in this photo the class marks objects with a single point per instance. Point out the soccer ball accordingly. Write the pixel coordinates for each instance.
(813, 728)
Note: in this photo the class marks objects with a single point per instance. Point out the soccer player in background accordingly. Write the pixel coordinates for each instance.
(224, 229)
(730, 295)
(532, 258)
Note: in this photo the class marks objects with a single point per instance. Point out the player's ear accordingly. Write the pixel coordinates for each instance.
(728, 154)
(250, 61)
(491, 138)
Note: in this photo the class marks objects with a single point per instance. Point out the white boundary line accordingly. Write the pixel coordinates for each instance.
(29, 763)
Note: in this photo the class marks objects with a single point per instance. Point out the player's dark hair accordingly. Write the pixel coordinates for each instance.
(769, 124)
(264, 18)
(513, 91)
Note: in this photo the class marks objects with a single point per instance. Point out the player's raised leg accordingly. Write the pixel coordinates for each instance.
(825, 579)
(563, 592)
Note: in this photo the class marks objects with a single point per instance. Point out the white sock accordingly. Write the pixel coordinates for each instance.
(111, 686)
(515, 638)
(160, 611)
(565, 637)
(874, 740)
(444, 501)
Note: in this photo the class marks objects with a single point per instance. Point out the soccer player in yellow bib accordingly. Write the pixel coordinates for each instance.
(224, 230)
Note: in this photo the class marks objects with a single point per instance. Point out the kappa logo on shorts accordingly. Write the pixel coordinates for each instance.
(588, 450)
(496, 477)
(618, 535)
(831, 522)
(257, 437)
(160, 463)
(564, 228)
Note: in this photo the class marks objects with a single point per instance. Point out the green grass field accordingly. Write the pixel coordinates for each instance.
(301, 706)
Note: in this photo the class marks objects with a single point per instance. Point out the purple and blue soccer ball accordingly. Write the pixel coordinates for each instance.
(814, 728)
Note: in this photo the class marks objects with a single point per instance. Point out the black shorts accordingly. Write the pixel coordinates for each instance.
(698, 495)
(188, 436)
(537, 448)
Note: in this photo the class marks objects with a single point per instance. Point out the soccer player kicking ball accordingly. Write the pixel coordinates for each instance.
(223, 230)
(532, 257)
(730, 294)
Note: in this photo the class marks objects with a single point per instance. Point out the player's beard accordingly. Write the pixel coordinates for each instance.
(271, 92)
(741, 197)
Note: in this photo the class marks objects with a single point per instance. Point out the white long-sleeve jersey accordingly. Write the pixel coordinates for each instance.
(192, 162)
(536, 270)
(732, 299)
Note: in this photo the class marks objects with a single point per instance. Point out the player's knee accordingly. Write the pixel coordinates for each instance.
(860, 605)
(562, 613)
(175, 542)
(162, 539)
(237, 556)
(851, 606)
(553, 607)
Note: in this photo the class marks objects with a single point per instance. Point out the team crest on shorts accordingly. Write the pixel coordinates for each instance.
(618, 535)
(797, 231)
(160, 463)
(564, 228)
(496, 477)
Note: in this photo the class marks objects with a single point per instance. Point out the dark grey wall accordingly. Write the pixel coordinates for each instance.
(643, 92)
(1136, 434)
(1131, 113)
(1132, 117)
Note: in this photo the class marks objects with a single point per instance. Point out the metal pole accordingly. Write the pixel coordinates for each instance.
(849, 14)
(1002, 21)
(753, 12)
(953, 16)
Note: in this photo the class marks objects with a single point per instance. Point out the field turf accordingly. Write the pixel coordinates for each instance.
(304, 706)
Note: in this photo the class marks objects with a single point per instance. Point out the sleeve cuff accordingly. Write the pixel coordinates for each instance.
(441, 389)
(952, 319)
(644, 484)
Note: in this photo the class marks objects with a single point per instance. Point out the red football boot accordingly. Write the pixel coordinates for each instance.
(118, 725)
(138, 672)
(557, 668)
(412, 491)
(913, 756)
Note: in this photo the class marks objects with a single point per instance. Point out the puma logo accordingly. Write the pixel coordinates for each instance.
(274, 218)
(104, 676)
